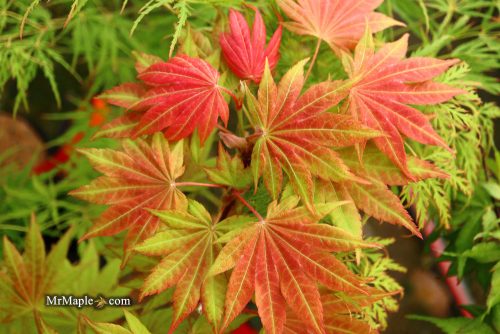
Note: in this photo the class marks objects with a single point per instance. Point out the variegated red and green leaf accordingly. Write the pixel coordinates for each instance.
(120, 127)
(283, 258)
(375, 198)
(229, 171)
(346, 216)
(378, 201)
(25, 279)
(378, 167)
(140, 176)
(340, 23)
(343, 304)
(297, 133)
(340, 310)
(145, 60)
(188, 247)
(126, 95)
(383, 83)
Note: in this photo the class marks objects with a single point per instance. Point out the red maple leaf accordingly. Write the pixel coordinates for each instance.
(140, 176)
(376, 199)
(177, 96)
(340, 23)
(246, 53)
(297, 134)
(282, 258)
(383, 83)
(184, 96)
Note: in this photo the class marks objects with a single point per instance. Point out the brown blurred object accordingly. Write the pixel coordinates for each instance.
(420, 289)
(430, 293)
(19, 141)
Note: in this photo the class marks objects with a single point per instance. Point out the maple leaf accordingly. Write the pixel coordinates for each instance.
(176, 96)
(298, 134)
(375, 198)
(126, 95)
(334, 324)
(184, 96)
(230, 171)
(340, 311)
(246, 53)
(188, 248)
(383, 83)
(377, 167)
(120, 127)
(346, 216)
(135, 325)
(26, 279)
(378, 201)
(340, 23)
(282, 258)
(144, 60)
(140, 176)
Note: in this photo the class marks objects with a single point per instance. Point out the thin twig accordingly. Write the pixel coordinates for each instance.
(198, 184)
(223, 129)
(316, 52)
(245, 203)
(237, 102)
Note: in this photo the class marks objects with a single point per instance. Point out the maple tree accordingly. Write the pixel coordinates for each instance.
(269, 218)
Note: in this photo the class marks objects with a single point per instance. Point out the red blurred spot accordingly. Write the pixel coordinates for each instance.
(99, 104)
(44, 167)
(62, 155)
(96, 118)
(245, 329)
(77, 137)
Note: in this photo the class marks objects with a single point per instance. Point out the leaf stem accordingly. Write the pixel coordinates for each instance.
(316, 52)
(245, 203)
(198, 184)
(237, 102)
(223, 129)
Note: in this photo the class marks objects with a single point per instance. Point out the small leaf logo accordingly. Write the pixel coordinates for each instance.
(100, 302)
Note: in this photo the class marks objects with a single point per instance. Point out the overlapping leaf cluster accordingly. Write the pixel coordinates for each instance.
(28, 278)
(323, 154)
